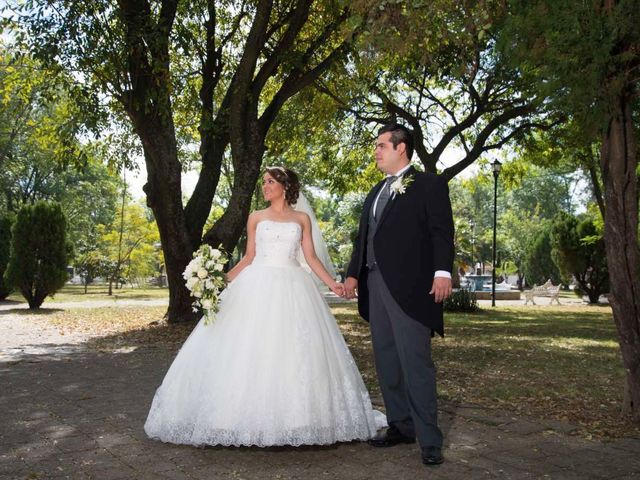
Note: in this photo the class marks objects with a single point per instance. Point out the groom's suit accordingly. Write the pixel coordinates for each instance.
(395, 257)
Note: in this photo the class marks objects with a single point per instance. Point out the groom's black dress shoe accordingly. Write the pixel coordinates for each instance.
(432, 456)
(389, 438)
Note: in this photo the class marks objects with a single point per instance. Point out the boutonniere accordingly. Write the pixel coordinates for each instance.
(400, 185)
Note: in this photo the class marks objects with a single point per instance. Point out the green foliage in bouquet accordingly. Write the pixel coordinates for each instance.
(205, 279)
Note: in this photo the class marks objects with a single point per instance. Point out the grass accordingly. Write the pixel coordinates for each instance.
(562, 363)
(543, 362)
(75, 293)
(559, 363)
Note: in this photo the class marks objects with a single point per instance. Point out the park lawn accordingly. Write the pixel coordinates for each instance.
(559, 363)
(544, 362)
(75, 293)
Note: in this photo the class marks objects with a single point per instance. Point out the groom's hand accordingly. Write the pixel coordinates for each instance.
(350, 287)
(441, 289)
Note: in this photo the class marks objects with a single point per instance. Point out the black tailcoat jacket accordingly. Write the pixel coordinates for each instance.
(414, 238)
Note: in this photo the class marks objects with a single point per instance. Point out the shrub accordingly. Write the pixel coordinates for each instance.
(461, 300)
(5, 241)
(578, 250)
(539, 265)
(38, 262)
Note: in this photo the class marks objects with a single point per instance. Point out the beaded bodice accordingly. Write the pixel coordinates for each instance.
(277, 242)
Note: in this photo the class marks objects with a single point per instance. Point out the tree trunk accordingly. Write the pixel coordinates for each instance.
(230, 226)
(595, 184)
(455, 277)
(180, 309)
(34, 296)
(148, 104)
(164, 197)
(34, 304)
(618, 163)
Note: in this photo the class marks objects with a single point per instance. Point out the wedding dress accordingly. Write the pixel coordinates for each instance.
(273, 368)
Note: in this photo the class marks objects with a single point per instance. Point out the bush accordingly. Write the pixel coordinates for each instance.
(461, 300)
(539, 265)
(578, 250)
(89, 266)
(5, 241)
(38, 262)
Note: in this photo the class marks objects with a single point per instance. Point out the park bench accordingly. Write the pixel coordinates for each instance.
(548, 289)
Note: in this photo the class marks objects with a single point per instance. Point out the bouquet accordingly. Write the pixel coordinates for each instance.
(205, 279)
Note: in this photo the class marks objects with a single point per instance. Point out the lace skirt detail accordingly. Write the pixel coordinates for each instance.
(273, 369)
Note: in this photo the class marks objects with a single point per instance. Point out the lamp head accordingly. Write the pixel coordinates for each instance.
(496, 166)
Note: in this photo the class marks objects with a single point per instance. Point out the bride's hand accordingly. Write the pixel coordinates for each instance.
(337, 288)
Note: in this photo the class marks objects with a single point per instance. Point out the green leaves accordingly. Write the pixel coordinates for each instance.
(38, 261)
(578, 250)
(538, 264)
(130, 244)
(435, 67)
(6, 221)
(580, 53)
(528, 199)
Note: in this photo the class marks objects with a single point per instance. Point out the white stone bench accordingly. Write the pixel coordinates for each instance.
(547, 290)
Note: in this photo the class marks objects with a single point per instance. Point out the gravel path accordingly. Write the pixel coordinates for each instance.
(68, 411)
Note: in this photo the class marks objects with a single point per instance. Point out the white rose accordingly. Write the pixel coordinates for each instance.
(188, 271)
(197, 293)
(218, 267)
(208, 284)
(397, 186)
(192, 282)
(210, 264)
(216, 254)
(202, 273)
(207, 304)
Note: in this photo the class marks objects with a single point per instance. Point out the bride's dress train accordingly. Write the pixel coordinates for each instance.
(273, 369)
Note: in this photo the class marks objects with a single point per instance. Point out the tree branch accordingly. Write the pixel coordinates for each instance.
(252, 48)
(344, 106)
(294, 83)
(426, 158)
(480, 146)
(296, 21)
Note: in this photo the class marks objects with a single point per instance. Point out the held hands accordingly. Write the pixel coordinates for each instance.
(337, 288)
(350, 288)
(441, 289)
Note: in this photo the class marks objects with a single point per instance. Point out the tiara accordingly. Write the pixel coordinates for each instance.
(282, 169)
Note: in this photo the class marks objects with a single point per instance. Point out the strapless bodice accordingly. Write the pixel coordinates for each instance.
(277, 243)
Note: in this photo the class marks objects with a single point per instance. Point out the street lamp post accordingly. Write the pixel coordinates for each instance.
(473, 247)
(496, 165)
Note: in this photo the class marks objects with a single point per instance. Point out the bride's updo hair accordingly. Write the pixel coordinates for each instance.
(289, 181)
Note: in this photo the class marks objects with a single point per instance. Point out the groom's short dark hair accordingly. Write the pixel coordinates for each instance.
(399, 134)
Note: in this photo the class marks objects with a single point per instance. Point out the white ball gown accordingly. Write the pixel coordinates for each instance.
(273, 369)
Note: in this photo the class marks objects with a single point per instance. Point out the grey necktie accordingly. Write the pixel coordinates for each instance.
(383, 199)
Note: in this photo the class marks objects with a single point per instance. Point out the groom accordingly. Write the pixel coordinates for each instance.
(400, 268)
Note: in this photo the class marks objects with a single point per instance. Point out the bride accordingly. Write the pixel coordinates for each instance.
(273, 369)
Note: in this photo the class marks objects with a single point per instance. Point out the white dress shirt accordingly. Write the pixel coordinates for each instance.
(398, 174)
